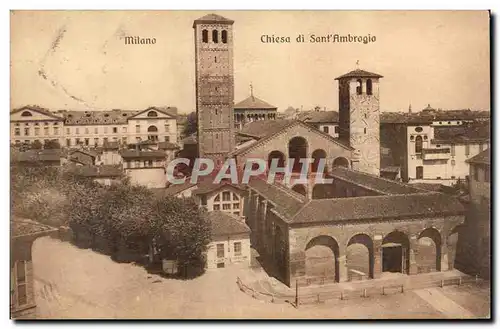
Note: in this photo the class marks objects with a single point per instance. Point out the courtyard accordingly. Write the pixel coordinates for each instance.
(80, 283)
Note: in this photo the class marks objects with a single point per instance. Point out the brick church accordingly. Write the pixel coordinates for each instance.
(356, 227)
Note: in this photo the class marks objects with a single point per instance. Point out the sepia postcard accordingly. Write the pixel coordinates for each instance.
(250, 165)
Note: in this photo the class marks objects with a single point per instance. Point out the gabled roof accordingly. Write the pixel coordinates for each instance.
(378, 207)
(84, 151)
(267, 129)
(359, 74)
(212, 19)
(38, 109)
(115, 116)
(223, 223)
(481, 158)
(167, 110)
(254, 103)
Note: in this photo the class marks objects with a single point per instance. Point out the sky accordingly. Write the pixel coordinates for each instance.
(77, 60)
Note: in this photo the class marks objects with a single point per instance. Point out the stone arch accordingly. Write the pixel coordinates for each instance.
(341, 162)
(322, 258)
(428, 253)
(323, 191)
(300, 188)
(359, 255)
(418, 144)
(396, 252)
(297, 149)
(224, 36)
(317, 155)
(276, 155)
(204, 36)
(215, 36)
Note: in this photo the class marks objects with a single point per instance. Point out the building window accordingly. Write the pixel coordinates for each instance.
(115, 130)
(105, 130)
(152, 114)
(418, 144)
(96, 141)
(152, 133)
(37, 131)
(336, 129)
(68, 131)
(204, 36)
(226, 196)
(237, 213)
(481, 147)
(236, 206)
(359, 87)
(96, 130)
(365, 130)
(167, 128)
(68, 142)
(476, 173)
(137, 163)
(46, 131)
(217, 198)
(452, 150)
(77, 141)
(369, 90)
(215, 36)
(216, 207)
(56, 130)
(17, 132)
(220, 250)
(87, 141)
(26, 131)
(420, 172)
(124, 130)
(224, 36)
(235, 197)
(137, 128)
(452, 162)
(22, 296)
(124, 140)
(87, 131)
(77, 131)
(237, 248)
(203, 199)
(26, 114)
(226, 206)
(105, 140)
(167, 138)
(467, 149)
(325, 129)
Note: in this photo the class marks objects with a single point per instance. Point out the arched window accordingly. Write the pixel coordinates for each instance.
(152, 114)
(369, 90)
(26, 114)
(224, 36)
(215, 59)
(204, 36)
(152, 129)
(215, 36)
(418, 144)
(359, 87)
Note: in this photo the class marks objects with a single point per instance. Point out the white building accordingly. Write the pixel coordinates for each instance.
(93, 128)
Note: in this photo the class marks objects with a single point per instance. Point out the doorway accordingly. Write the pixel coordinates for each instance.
(392, 259)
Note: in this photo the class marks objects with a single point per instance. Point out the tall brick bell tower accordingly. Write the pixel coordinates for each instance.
(359, 118)
(213, 36)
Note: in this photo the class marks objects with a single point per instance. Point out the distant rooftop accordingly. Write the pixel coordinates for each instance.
(319, 116)
(224, 224)
(254, 103)
(481, 158)
(359, 74)
(212, 19)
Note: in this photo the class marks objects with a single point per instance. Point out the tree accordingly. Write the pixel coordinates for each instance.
(191, 124)
(51, 144)
(36, 145)
(182, 232)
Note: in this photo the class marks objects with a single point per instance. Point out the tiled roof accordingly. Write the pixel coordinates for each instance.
(372, 182)
(286, 201)
(168, 110)
(22, 227)
(254, 103)
(223, 223)
(49, 155)
(207, 186)
(429, 116)
(97, 117)
(135, 154)
(379, 207)
(263, 128)
(481, 158)
(319, 117)
(102, 171)
(213, 19)
(167, 146)
(359, 74)
(462, 134)
(173, 189)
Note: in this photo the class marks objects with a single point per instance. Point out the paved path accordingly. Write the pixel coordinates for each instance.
(443, 304)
